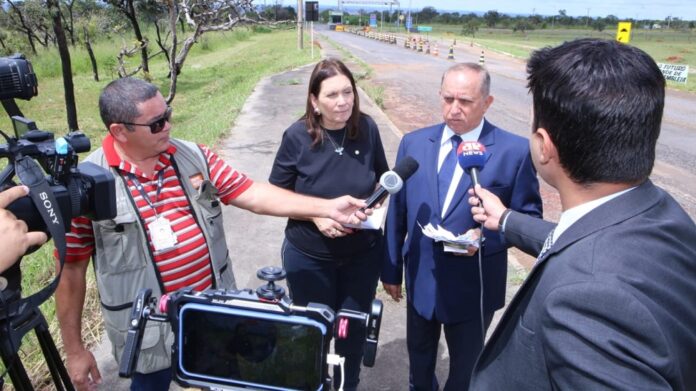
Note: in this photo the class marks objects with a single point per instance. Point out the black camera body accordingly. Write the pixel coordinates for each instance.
(17, 78)
(245, 339)
(60, 188)
(76, 187)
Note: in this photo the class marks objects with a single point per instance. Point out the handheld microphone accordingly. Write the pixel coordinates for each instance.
(391, 181)
(472, 157)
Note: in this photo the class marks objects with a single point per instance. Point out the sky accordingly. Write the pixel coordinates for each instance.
(640, 9)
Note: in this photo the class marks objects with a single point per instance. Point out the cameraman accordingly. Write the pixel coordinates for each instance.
(168, 232)
(15, 238)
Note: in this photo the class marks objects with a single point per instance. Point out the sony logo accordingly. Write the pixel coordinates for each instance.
(49, 207)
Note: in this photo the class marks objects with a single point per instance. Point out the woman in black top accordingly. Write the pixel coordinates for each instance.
(333, 150)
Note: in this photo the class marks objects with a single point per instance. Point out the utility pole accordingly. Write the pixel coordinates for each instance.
(300, 43)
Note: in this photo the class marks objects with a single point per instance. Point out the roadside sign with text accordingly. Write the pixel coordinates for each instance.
(373, 20)
(675, 72)
(425, 28)
(623, 33)
(409, 22)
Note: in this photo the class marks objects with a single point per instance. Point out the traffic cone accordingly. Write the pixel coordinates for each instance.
(414, 44)
(407, 43)
(482, 60)
(436, 51)
(450, 55)
(420, 45)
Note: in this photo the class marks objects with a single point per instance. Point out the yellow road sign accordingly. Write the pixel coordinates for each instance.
(623, 33)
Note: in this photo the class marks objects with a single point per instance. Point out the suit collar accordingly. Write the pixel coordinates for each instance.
(619, 209)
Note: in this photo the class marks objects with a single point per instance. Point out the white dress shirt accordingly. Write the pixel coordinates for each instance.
(445, 148)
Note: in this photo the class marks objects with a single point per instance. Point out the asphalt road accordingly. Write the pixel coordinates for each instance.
(411, 81)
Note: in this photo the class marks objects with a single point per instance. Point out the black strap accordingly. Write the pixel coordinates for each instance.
(30, 174)
(11, 108)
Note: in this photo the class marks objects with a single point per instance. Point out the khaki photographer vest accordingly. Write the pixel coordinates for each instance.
(124, 265)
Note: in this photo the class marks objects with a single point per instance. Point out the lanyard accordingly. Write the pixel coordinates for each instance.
(141, 189)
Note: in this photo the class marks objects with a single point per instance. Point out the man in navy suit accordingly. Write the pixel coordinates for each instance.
(611, 301)
(443, 288)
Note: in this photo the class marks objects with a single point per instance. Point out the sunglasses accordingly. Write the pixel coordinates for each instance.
(157, 125)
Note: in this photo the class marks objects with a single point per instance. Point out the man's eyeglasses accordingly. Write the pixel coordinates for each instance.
(157, 125)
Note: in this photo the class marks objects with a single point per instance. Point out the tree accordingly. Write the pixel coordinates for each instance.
(491, 18)
(611, 20)
(202, 16)
(89, 29)
(599, 24)
(66, 65)
(470, 28)
(427, 14)
(68, 22)
(127, 7)
(29, 18)
(522, 25)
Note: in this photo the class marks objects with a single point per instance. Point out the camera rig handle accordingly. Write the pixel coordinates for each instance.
(143, 310)
(371, 321)
(270, 291)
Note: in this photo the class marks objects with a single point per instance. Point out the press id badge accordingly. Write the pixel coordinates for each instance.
(161, 234)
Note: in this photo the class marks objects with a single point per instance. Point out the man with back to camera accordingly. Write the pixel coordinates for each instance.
(168, 230)
(15, 238)
(610, 303)
(443, 289)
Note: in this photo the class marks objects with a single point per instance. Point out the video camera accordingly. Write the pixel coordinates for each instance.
(67, 190)
(244, 339)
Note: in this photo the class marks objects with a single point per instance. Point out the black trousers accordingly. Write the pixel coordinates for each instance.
(463, 343)
(343, 283)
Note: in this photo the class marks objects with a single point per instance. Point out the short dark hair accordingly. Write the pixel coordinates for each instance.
(601, 102)
(119, 100)
(471, 66)
(325, 69)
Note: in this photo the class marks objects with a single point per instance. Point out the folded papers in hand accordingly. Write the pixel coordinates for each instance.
(450, 242)
(374, 221)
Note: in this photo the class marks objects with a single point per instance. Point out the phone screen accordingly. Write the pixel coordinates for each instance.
(233, 346)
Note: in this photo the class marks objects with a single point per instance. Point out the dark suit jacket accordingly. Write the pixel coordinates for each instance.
(612, 304)
(443, 284)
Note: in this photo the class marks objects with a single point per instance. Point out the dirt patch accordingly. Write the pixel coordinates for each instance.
(675, 59)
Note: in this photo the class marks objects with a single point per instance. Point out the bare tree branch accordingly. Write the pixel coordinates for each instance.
(126, 52)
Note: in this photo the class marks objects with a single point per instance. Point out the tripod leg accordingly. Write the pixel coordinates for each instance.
(53, 360)
(15, 369)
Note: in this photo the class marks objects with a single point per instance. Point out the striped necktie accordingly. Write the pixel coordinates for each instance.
(444, 177)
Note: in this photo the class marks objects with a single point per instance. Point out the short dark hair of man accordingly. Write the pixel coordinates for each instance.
(601, 103)
(119, 100)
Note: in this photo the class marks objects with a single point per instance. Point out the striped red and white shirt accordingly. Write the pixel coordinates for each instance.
(188, 262)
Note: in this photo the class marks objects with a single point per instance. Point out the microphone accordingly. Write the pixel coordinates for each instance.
(472, 157)
(391, 181)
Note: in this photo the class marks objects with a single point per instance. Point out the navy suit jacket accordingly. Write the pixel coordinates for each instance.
(441, 284)
(610, 306)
